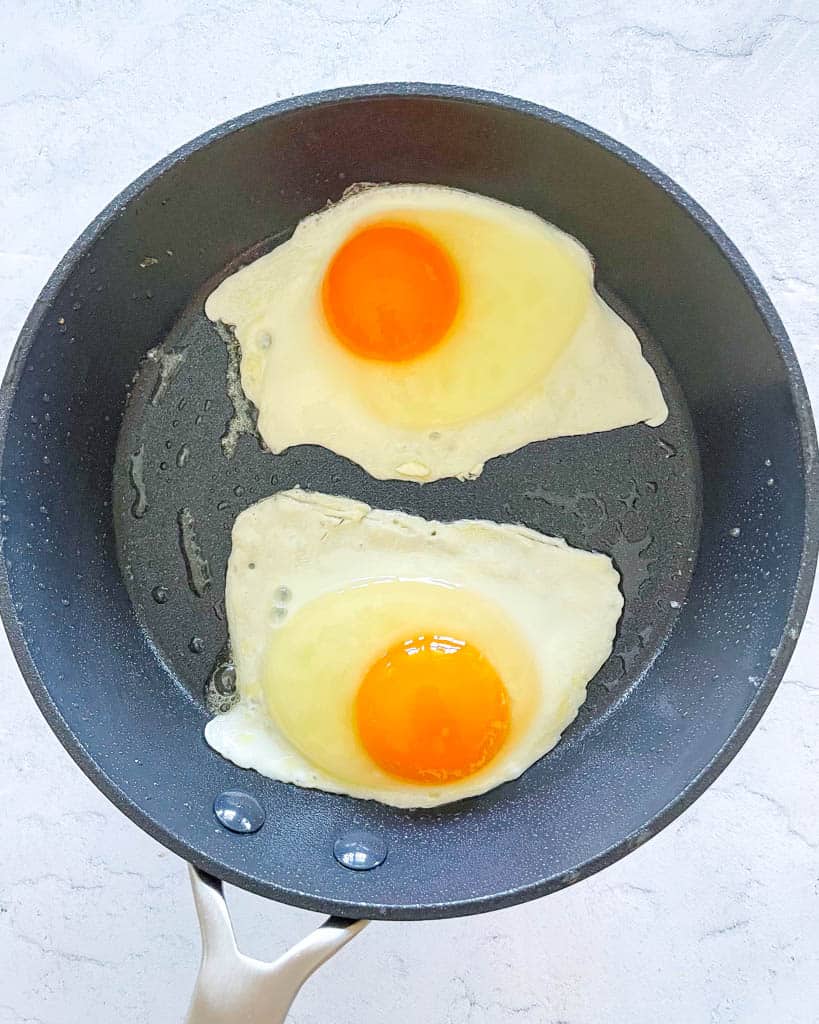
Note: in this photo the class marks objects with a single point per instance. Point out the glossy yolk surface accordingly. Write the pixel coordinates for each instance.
(432, 710)
(391, 292)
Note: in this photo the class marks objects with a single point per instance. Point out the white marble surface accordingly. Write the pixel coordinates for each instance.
(716, 920)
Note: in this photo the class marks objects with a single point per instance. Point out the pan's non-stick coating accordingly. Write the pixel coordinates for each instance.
(116, 634)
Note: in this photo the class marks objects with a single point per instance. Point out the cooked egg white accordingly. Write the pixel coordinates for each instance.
(421, 330)
(320, 590)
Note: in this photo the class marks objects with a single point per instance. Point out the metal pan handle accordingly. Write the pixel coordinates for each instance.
(231, 986)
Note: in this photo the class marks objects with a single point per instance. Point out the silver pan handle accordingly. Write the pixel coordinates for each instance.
(234, 987)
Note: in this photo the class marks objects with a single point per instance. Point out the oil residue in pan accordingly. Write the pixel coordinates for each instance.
(197, 567)
(220, 689)
(622, 532)
(243, 420)
(136, 474)
(168, 361)
(632, 493)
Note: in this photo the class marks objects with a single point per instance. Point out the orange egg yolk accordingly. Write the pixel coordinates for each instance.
(391, 292)
(432, 710)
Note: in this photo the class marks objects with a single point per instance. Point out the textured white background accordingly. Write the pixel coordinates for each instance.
(717, 919)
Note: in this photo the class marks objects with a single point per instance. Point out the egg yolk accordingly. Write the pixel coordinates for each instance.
(432, 710)
(391, 292)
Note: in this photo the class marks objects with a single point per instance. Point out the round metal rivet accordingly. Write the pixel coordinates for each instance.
(360, 851)
(239, 812)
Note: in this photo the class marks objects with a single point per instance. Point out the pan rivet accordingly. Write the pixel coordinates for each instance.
(239, 812)
(360, 851)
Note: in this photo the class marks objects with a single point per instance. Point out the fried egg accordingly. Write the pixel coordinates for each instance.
(403, 660)
(421, 330)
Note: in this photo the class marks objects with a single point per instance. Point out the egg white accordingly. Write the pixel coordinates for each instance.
(535, 353)
(307, 565)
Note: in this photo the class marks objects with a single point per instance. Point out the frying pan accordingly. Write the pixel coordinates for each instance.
(126, 457)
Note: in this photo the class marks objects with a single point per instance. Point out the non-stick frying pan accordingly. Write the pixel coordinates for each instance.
(119, 489)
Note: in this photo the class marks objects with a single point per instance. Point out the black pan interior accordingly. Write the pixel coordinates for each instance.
(179, 485)
(118, 644)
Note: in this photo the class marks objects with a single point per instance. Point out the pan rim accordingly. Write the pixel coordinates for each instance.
(791, 626)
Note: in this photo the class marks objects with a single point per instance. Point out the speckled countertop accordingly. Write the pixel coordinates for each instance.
(717, 919)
